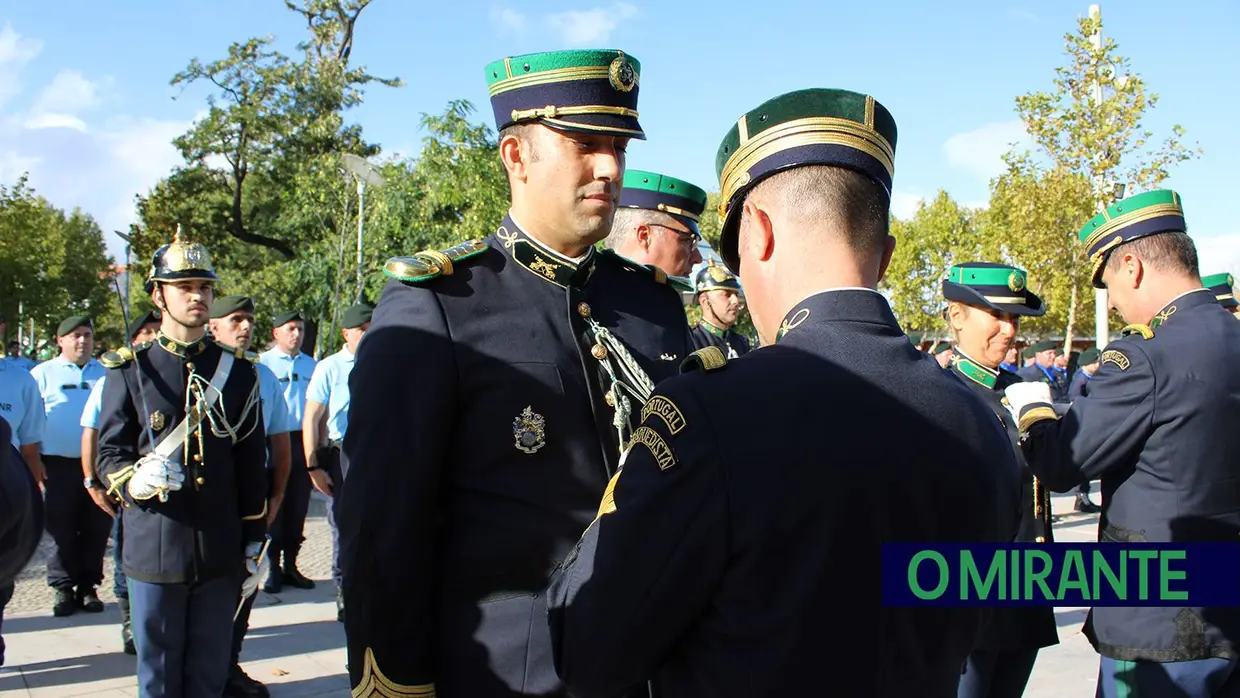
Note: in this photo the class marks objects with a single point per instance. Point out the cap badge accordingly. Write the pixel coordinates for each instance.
(621, 74)
(1016, 282)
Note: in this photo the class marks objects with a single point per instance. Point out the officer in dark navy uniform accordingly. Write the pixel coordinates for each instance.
(21, 518)
(181, 444)
(738, 551)
(1223, 287)
(1157, 425)
(719, 296)
(491, 395)
(985, 302)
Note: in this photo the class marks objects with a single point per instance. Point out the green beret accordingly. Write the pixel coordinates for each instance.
(287, 317)
(1223, 287)
(227, 305)
(70, 324)
(1027, 352)
(588, 91)
(1150, 213)
(356, 316)
(1089, 356)
(808, 127)
(151, 316)
(683, 201)
(1045, 345)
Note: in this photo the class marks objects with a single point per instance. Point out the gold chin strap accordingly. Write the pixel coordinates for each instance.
(551, 112)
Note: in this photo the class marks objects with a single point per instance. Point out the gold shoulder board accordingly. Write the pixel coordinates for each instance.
(116, 358)
(1143, 330)
(430, 264)
(707, 359)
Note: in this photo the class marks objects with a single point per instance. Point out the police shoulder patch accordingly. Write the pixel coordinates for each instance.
(651, 439)
(1144, 330)
(431, 264)
(705, 359)
(116, 358)
(1116, 357)
(663, 408)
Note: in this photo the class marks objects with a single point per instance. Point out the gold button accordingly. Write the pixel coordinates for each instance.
(607, 398)
(190, 365)
(201, 480)
(599, 352)
(583, 309)
(197, 457)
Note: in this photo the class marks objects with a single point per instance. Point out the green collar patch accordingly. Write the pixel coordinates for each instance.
(181, 349)
(541, 261)
(974, 371)
(712, 329)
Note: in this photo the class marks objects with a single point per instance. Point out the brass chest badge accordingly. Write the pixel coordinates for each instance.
(529, 431)
(158, 421)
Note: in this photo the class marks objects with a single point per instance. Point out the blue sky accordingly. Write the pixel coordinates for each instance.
(86, 108)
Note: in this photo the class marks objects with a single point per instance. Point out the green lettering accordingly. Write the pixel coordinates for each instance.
(1038, 577)
(1166, 575)
(970, 578)
(1143, 573)
(1073, 576)
(915, 586)
(1118, 584)
(1015, 575)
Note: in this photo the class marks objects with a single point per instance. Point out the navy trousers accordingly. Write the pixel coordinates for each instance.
(335, 470)
(78, 527)
(183, 633)
(996, 674)
(120, 585)
(289, 525)
(1198, 678)
(6, 593)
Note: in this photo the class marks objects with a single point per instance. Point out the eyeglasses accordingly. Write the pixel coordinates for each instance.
(687, 238)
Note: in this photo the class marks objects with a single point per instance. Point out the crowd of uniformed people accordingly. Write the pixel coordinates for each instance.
(544, 482)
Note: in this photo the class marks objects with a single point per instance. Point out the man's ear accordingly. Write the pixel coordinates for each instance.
(757, 235)
(514, 153)
(889, 248)
(643, 233)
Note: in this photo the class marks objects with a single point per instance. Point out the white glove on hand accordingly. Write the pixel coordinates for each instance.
(1021, 395)
(155, 473)
(256, 566)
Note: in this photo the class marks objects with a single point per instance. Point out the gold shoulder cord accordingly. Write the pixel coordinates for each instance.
(1041, 509)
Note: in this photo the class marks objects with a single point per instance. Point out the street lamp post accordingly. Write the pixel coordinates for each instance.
(128, 245)
(365, 173)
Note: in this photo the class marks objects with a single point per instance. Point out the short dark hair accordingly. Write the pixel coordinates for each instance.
(821, 192)
(1166, 252)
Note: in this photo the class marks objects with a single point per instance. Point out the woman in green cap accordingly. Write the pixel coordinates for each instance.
(985, 303)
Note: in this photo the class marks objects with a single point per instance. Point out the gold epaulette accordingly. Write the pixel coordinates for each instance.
(430, 264)
(119, 357)
(238, 352)
(1143, 330)
(706, 359)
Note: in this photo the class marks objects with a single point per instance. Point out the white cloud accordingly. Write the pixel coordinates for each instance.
(509, 19)
(1219, 253)
(904, 204)
(981, 150)
(34, 122)
(68, 93)
(590, 27)
(15, 52)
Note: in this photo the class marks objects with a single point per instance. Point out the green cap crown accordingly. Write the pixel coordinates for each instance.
(1224, 279)
(663, 184)
(656, 192)
(1223, 288)
(1015, 279)
(588, 90)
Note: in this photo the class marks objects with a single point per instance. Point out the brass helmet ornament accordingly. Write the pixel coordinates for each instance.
(714, 276)
(180, 260)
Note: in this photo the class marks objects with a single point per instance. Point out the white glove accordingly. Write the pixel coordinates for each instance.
(1021, 395)
(256, 566)
(154, 474)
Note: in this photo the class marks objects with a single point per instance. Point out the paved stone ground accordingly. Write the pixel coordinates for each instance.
(296, 646)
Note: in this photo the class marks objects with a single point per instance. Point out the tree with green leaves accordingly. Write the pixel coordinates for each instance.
(1088, 128)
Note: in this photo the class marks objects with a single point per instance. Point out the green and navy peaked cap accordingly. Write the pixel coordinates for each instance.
(683, 201)
(712, 277)
(1223, 288)
(1150, 213)
(590, 91)
(808, 127)
(994, 286)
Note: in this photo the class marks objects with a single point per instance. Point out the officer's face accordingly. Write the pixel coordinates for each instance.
(77, 345)
(289, 335)
(572, 185)
(235, 330)
(725, 305)
(353, 336)
(147, 333)
(188, 302)
(985, 334)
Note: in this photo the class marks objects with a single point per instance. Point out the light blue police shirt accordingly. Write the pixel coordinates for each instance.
(293, 373)
(330, 387)
(65, 389)
(94, 403)
(21, 405)
(20, 362)
(275, 412)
